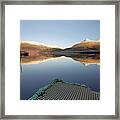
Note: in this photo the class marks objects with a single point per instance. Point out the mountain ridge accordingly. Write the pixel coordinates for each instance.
(39, 48)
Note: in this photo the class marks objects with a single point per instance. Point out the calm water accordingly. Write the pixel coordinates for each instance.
(35, 76)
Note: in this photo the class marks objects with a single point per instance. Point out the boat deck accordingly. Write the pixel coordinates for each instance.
(65, 91)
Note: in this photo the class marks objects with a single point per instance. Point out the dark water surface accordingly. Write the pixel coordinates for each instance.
(37, 75)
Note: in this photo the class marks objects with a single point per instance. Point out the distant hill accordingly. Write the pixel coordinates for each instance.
(35, 49)
(85, 46)
(82, 47)
(27, 46)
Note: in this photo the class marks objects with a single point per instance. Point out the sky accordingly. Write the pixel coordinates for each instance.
(62, 33)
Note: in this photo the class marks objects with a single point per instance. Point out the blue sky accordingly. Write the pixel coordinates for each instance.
(63, 33)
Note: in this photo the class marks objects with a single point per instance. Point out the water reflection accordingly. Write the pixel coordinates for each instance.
(38, 71)
(85, 59)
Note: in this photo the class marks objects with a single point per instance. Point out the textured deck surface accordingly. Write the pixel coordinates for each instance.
(64, 91)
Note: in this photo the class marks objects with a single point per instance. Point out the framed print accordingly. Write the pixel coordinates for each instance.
(60, 59)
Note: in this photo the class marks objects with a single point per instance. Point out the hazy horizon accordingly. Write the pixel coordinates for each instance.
(61, 33)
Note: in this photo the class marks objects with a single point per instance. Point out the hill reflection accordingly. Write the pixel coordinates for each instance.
(86, 59)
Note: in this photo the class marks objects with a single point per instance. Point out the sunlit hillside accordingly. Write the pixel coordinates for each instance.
(35, 49)
(87, 45)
